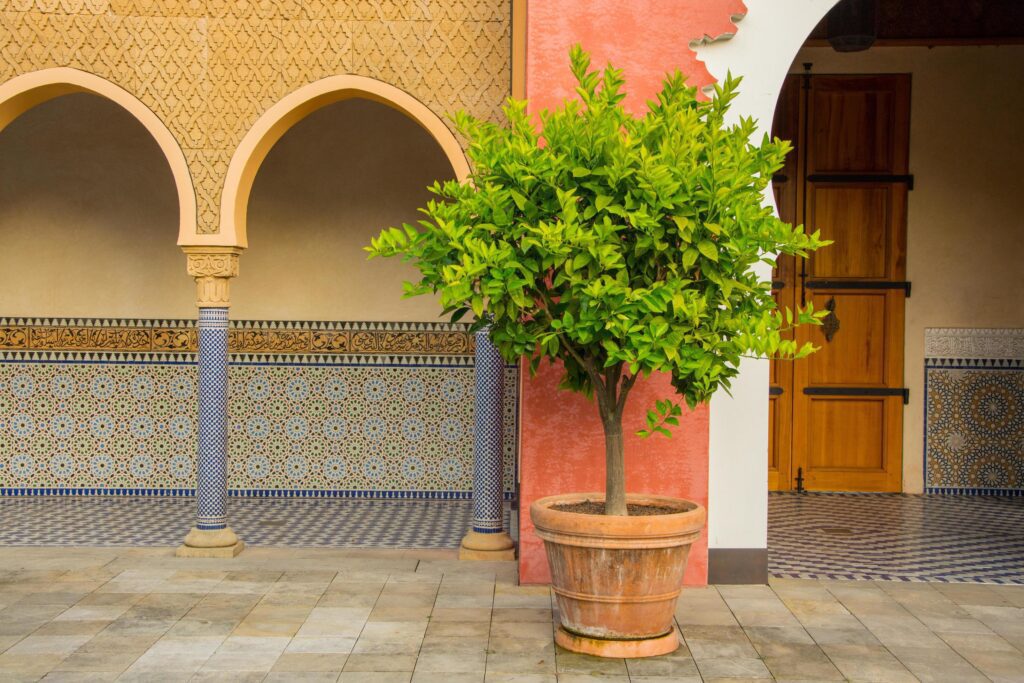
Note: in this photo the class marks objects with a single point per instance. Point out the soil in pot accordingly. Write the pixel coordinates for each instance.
(596, 507)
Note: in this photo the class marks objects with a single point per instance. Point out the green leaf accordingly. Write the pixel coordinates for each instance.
(707, 248)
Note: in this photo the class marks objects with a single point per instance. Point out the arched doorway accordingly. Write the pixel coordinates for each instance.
(93, 196)
(341, 389)
(912, 130)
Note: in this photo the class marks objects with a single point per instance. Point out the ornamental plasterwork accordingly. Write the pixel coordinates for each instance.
(992, 343)
(244, 337)
(210, 68)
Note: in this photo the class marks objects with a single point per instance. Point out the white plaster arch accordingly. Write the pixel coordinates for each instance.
(276, 121)
(23, 92)
(761, 51)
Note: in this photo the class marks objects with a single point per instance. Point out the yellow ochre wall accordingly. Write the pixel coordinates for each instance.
(88, 217)
(965, 230)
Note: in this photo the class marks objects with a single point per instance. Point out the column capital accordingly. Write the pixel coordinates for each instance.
(212, 267)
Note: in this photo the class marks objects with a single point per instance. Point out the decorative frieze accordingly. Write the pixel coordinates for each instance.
(244, 337)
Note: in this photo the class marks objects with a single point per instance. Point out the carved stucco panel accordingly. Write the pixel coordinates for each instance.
(210, 68)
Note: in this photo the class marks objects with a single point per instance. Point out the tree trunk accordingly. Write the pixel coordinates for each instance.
(615, 466)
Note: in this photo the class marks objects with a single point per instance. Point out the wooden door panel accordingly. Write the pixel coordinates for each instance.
(846, 434)
(856, 353)
(857, 124)
(838, 419)
(857, 219)
(851, 443)
(787, 186)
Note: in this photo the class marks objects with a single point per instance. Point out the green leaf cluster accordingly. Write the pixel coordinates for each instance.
(620, 245)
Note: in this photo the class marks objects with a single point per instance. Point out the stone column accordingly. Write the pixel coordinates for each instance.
(212, 267)
(487, 539)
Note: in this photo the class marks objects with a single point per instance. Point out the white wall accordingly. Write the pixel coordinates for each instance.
(762, 50)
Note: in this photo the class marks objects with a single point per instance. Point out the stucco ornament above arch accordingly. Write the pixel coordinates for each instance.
(276, 121)
(23, 92)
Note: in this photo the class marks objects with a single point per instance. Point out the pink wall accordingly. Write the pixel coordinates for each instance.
(561, 442)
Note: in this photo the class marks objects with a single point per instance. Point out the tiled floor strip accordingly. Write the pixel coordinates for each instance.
(896, 537)
(100, 521)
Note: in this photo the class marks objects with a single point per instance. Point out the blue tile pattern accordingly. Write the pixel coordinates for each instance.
(896, 537)
(487, 446)
(148, 521)
(212, 459)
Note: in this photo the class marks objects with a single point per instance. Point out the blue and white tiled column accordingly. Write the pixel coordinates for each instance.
(487, 539)
(211, 536)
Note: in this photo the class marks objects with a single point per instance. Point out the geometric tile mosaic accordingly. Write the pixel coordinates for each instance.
(302, 424)
(152, 521)
(896, 537)
(974, 411)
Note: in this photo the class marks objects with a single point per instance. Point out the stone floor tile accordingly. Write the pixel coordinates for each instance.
(522, 662)
(335, 621)
(843, 636)
(310, 676)
(673, 679)
(81, 676)
(400, 613)
(1001, 665)
(591, 678)
(321, 645)
(461, 614)
(521, 629)
(77, 627)
(937, 664)
(194, 645)
(542, 614)
(98, 661)
(452, 662)
(308, 661)
(574, 663)
(107, 642)
(457, 600)
(187, 662)
(869, 663)
(766, 635)
(380, 663)
(732, 667)
(336, 599)
(133, 675)
(713, 642)
(227, 677)
(48, 645)
(451, 644)
(447, 677)
(792, 661)
(375, 677)
(458, 628)
(978, 642)
(272, 621)
(673, 665)
(520, 678)
(202, 627)
(515, 645)
(29, 666)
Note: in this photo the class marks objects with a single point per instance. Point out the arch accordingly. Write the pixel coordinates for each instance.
(277, 120)
(23, 92)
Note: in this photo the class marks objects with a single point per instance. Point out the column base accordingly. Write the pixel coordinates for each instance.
(497, 547)
(210, 543)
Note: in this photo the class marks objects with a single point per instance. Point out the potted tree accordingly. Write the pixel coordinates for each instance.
(618, 246)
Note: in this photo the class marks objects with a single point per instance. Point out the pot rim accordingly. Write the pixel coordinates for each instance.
(575, 528)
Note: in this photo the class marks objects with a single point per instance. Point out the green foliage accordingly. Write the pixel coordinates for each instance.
(620, 245)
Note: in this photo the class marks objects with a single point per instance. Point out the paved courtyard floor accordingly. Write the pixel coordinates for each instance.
(284, 614)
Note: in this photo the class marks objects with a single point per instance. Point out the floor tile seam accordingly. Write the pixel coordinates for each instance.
(355, 641)
(893, 654)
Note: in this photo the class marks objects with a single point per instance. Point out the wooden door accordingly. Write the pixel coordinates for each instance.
(846, 402)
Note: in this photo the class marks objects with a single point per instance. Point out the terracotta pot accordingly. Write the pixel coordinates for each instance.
(617, 579)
